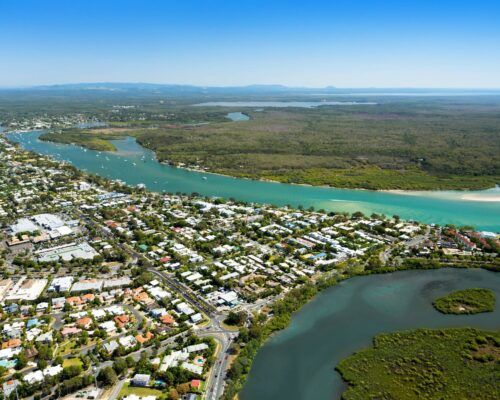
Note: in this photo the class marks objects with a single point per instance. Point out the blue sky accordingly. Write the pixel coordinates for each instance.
(363, 43)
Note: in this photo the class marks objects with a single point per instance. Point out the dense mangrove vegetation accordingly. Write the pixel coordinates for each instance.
(425, 364)
(468, 301)
(90, 138)
(399, 144)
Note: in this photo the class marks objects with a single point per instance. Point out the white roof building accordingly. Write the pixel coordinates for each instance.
(48, 221)
(229, 297)
(27, 289)
(61, 284)
(141, 379)
(184, 308)
(195, 348)
(6, 354)
(87, 285)
(196, 318)
(117, 282)
(23, 225)
(110, 347)
(108, 326)
(98, 313)
(193, 368)
(33, 377)
(128, 341)
(5, 285)
(52, 371)
(67, 252)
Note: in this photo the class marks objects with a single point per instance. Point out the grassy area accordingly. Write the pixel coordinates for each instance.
(72, 362)
(138, 391)
(426, 364)
(66, 348)
(468, 301)
(230, 327)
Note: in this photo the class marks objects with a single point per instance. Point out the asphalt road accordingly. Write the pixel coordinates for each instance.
(215, 381)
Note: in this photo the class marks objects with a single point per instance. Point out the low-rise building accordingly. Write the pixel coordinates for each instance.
(141, 380)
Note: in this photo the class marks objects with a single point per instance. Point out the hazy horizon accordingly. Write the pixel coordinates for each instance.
(366, 44)
(304, 87)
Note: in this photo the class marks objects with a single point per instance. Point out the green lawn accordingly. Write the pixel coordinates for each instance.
(230, 327)
(66, 348)
(138, 391)
(70, 362)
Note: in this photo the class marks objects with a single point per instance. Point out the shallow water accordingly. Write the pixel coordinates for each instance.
(135, 164)
(299, 362)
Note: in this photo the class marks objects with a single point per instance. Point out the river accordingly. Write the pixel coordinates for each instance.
(134, 164)
(298, 363)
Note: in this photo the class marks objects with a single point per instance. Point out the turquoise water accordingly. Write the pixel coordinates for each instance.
(299, 362)
(134, 164)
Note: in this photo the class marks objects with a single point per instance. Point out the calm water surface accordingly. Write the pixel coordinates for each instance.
(280, 104)
(298, 363)
(237, 116)
(133, 164)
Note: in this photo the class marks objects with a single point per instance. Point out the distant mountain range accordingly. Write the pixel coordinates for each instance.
(250, 89)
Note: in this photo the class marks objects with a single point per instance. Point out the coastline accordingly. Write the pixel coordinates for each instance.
(435, 192)
(431, 208)
(465, 194)
(475, 197)
(234, 386)
(321, 284)
(472, 196)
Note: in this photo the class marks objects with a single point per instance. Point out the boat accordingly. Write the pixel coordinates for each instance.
(204, 178)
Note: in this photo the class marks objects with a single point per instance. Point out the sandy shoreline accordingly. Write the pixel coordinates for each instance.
(486, 195)
(479, 197)
(491, 195)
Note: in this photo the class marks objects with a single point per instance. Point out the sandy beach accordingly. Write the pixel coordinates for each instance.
(481, 197)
